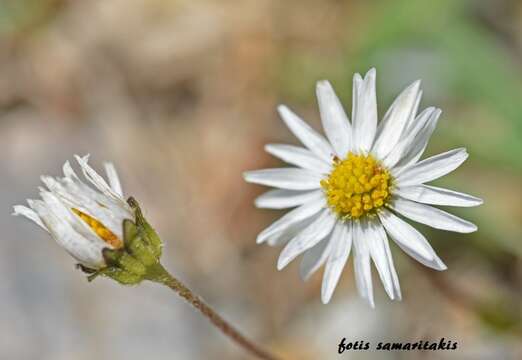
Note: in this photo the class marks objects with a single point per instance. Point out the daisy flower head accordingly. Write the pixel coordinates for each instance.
(93, 222)
(352, 188)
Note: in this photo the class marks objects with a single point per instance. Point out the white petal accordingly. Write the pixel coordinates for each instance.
(357, 84)
(99, 208)
(341, 240)
(437, 196)
(86, 252)
(91, 175)
(298, 156)
(395, 278)
(336, 124)
(431, 168)
(114, 180)
(314, 258)
(365, 116)
(30, 214)
(394, 122)
(376, 243)
(410, 240)
(295, 216)
(411, 121)
(307, 238)
(419, 122)
(413, 142)
(68, 170)
(362, 268)
(308, 136)
(285, 178)
(61, 211)
(282, 198)
(282, 237)
(84, 195)
(431, 216)
(411, 155)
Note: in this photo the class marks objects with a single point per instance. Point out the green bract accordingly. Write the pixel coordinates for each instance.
(139, 259)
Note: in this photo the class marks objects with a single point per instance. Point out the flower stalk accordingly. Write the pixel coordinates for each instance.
(139, 260)
(161, 276)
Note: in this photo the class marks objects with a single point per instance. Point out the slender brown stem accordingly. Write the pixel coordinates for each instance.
(160, 275)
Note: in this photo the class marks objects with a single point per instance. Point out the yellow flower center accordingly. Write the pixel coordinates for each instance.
(357, 186)
(101, 230)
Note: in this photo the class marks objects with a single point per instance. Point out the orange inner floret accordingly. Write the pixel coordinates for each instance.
(357, 186)
(101, 230)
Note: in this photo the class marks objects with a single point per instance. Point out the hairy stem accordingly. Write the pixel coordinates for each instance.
(159, 275)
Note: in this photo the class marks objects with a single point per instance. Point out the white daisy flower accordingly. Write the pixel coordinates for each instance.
(82, 219)
(353, 187)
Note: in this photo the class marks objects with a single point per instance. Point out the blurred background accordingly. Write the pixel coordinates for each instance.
(181, 96)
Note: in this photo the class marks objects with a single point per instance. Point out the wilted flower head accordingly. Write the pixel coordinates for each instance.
(91, 221)
(354, 186)
(110, 236)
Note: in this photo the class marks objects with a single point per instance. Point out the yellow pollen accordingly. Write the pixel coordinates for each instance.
(103, 232)
(357, 186)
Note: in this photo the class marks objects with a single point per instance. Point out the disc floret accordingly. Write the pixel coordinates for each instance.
(357, 186)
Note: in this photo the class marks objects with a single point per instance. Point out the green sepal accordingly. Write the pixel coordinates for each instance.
(123, 260)
(139, 259)
(136, 245)
(85, 269)
(112, 257)
(145, 230)
(121, 267)
(130, 231)
(123, 277)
